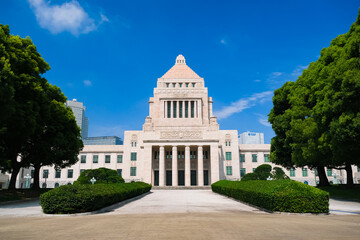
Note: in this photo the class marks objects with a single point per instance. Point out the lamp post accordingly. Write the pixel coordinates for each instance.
(27, 177)
(93, 180)
(335, 179)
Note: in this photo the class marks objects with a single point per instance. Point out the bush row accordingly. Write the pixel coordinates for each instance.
(86, 198)
(276, 195)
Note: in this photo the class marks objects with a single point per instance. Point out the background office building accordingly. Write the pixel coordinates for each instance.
(104, 140)
(82, 121)
(251, 138)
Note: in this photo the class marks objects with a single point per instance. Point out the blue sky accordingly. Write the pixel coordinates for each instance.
(109, 54)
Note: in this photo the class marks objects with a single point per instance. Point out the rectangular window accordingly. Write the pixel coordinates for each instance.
(119, 171)
(192, 109)
(329, 172)
(242, 157)
(83, 158)
(228, 170)
(168, 109)
(187, 84)
(133, 156)
(81, 170)
(155, 155)
(57, 173)
(107, 158)
(193, 84)
(242, 172)
(254, 157)
(228, 155)
(45, 173)
(32, 173)
(132, 171)
(180, 84)
(167, 85)
(70, 173)
(182, 154)
(95, 158)
(254, 169)
(316, 172)
(119, 158)
(304, 172)
(266, 158)
(180, 108)
(174, 84)
(174, 109)
(292, 172)
(186, 109)
(358, 168)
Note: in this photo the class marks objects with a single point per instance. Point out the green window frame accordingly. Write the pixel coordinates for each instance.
(119, 171)
(83, 159)
(107, 158)
(266, 158)
(316, 172)
(81, 170)
(95, 158)
(254, 157)
(253, 169)
(168, 109)
(192, 109)
(242, 157)
(174, 108)
(228, 170)
(133, 156)
(329, 172)
(46, 173)
(242, 172)
(132, 171)
(228, 155)
(180, 108)
(292, 172)
(70, 173)
(186, 109)
(304, 172)
(119, 158)
(57, 173)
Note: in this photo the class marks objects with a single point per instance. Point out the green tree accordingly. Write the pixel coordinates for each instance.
(278, 174)
(102, 175)
(262, 172)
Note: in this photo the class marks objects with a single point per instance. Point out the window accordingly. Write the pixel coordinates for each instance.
(180, 108)
(45, 173)
(132, 171)
(228, 155)
(192, 109)
(242, 172)
(186, 109)
(57, 173)
(32, 173)
(329, 172)
(174, 84)
(187, 84)
(254, 157)
(133, 156)
(83, 158)
(81, 170)
(180, 84)
(193, 84)
(155, 155)
(119, 158)
(242, 157)
(44, 185)
(56, 185)
(292, 172)
(316, 172)
(266, 158)
(119, 171)
(70, 173)
(304, 172)
(95, 158)
(168, 109)
(205, 154)
(107, 158)
(174, 109)
(358, 168)
(254, 169)
(167, 85)
(228, 170)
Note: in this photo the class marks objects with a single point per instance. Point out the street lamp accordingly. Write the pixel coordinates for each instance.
(335, 179)
(93, 180)
(27, 177)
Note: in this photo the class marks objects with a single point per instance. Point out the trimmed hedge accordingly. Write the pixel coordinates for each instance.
(276, 195)
(86, 198)
(102, 175)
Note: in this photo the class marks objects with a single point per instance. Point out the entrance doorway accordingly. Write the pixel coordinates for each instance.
(168, 178)
(156, 178)
(193, 177)
(206, 177)
(181, 177)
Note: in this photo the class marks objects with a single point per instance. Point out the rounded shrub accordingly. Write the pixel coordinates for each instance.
(102, 175)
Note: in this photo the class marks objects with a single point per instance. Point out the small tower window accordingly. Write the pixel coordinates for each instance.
(187, 84)
(174, 84)
(167, 85)
(193, 84)
(180, 84)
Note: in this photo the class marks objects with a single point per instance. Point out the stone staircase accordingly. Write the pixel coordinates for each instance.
(181, 188)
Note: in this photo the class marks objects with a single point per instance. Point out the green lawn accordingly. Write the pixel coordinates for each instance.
(342, 191)
(18, 194)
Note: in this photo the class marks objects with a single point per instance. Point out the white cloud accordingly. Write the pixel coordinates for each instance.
(223, 41)
(263, 120)
(257, 80)
(243, 103)
(276, 79)
(67, 17)
(87, 83)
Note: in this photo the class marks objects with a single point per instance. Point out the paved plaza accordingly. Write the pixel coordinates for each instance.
(179, 214)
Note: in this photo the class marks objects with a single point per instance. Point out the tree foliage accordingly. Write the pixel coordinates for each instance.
(101, 175)
(262, 172)
(317, 118)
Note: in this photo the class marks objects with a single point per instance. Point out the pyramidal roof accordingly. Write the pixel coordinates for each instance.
(180, 70)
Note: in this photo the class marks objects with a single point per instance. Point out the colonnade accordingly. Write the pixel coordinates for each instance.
(182, 109)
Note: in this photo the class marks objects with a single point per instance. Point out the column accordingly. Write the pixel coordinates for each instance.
(174, 166)
(165, 110)
(183, 109)
(162, 166)
(200, 166)
(214, 164)
(187, 166)
(199, 109)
